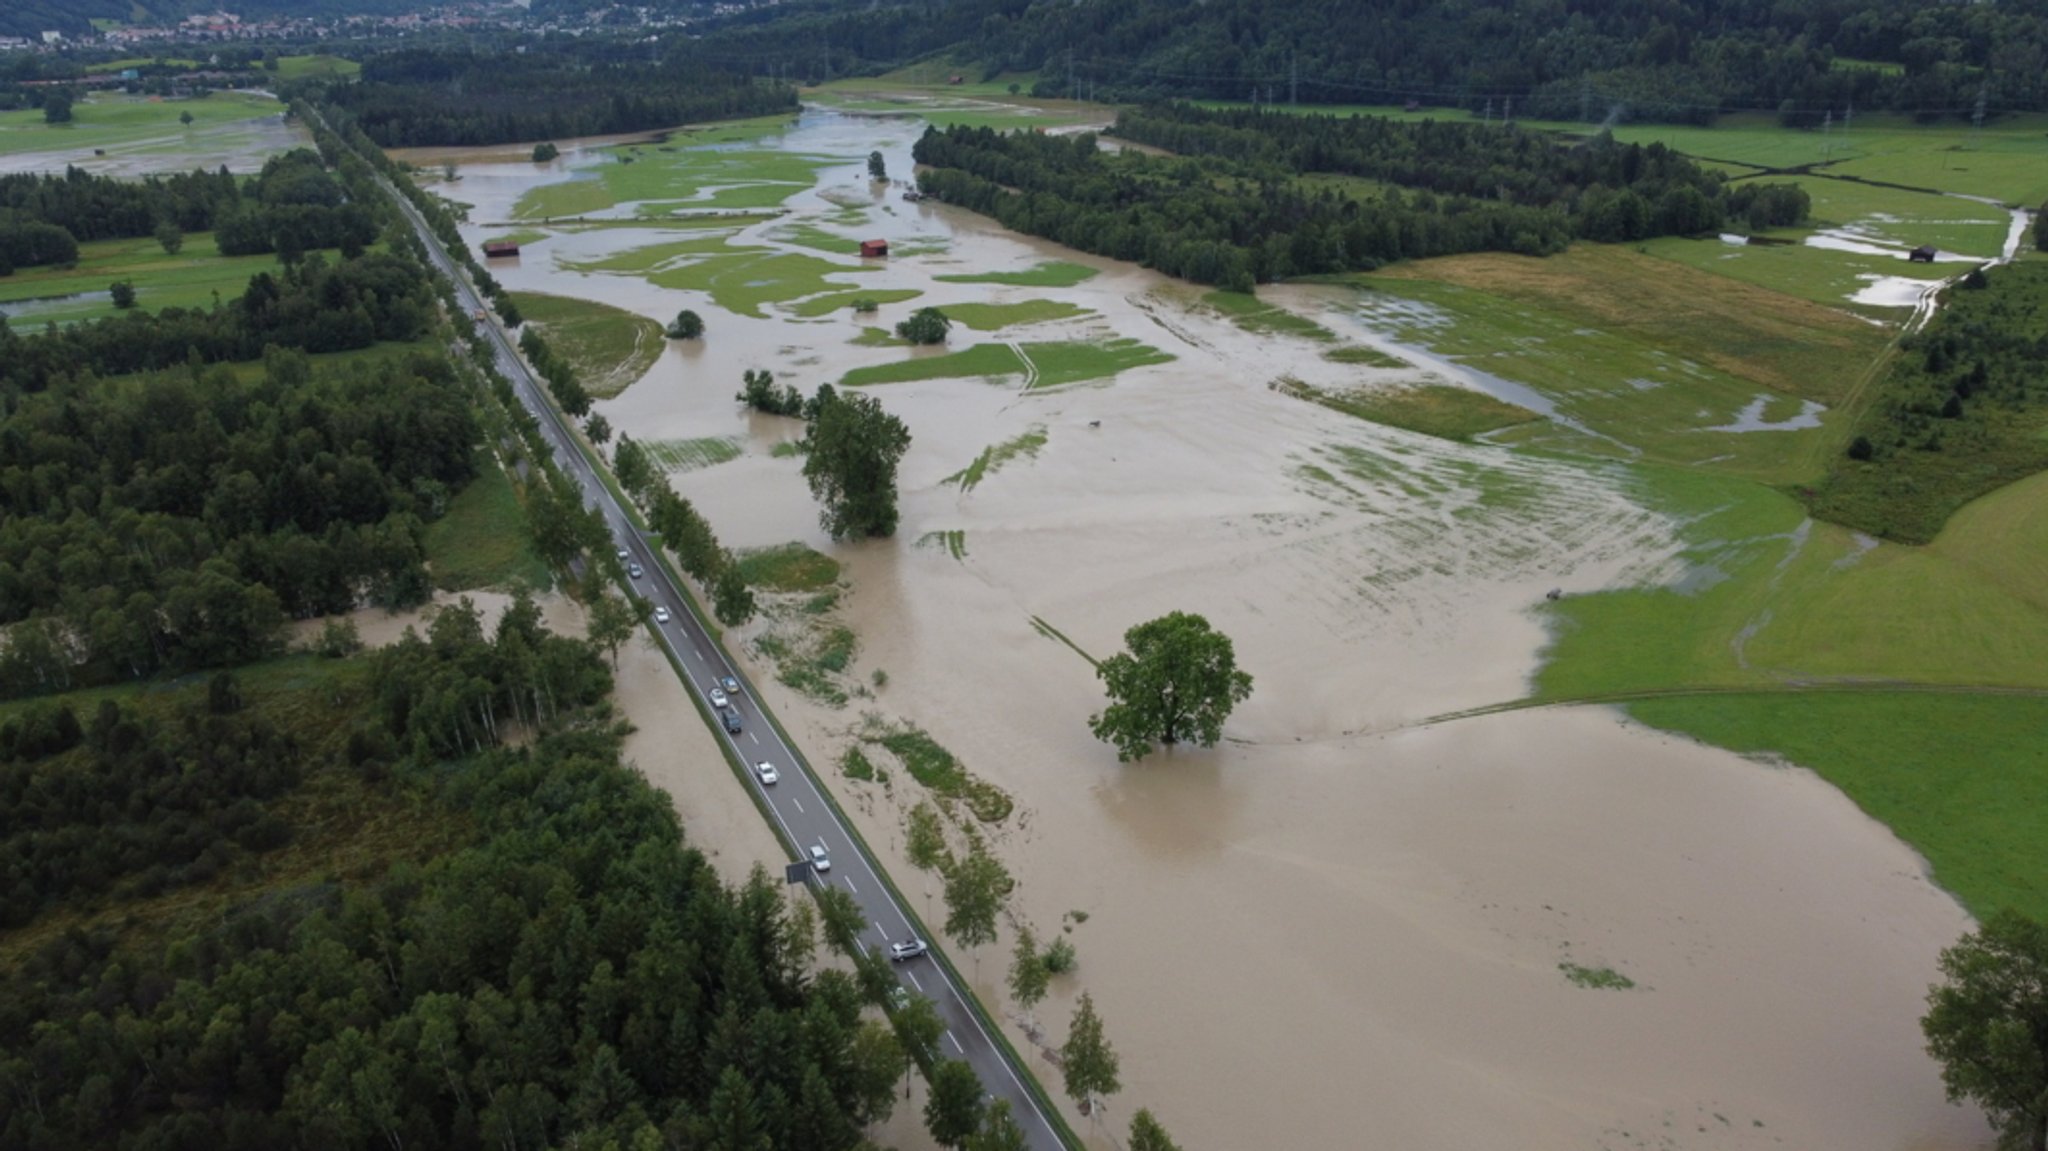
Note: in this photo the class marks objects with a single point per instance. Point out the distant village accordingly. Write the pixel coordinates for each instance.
(228, 27)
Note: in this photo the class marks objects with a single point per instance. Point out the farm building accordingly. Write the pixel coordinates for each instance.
(1924, 254)
(874, 248)
(501, 247)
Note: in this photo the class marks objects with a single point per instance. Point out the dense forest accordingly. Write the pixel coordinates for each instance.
(1962, 410)
(1684, 60)
(293, 205)
(449, 97)
(515, 949)
(177, 522)
(1238, 210)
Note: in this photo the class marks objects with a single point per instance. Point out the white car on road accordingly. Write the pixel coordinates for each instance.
(819, 860)
(767, 772)
(718, 698)
(908, 949)
(660, 615)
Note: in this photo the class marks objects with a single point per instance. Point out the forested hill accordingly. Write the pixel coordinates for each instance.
(1564, 59)
(431, 97)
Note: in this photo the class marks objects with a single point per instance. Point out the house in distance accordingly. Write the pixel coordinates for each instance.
(873, 248)
(495, 248)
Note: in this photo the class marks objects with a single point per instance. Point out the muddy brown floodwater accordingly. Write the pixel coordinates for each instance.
(1343, 927)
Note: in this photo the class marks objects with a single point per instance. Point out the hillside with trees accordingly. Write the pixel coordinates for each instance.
(452, 97)
(1686, 60)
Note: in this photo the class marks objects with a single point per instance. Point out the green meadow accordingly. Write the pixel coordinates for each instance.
(1963, 779)
(679, 175)
(991, 317)
(197, 277)
(982, 361)
(1638, 352)
(1052, 274)
(1252, 314)
(1074, 361)
(608, 347)
(299, 67)
(108, 120)
(745, 280)
(483, 541)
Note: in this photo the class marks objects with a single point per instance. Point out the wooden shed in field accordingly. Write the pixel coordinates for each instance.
(874, 248)
(493, 248)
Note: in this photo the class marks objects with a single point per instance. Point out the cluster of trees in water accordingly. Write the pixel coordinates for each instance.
(1237, 209)
(179, 522)
(554, 968)
(1684, 60)
(1963, 411)
(293, 206)
(449, 96)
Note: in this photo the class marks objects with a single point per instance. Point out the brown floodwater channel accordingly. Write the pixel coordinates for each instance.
(1341, 927)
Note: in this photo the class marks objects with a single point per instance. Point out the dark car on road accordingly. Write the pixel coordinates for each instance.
(730, 716)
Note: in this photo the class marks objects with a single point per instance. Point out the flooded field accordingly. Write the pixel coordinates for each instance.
(1346, 925)
(118, 135)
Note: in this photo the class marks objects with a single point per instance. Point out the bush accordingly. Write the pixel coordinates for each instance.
(543, 152)
(123, 292)
(925, 326)
(1059, 957)
(688, 326)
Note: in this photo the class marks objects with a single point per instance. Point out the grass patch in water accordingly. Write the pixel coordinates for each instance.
(610, 348)
(990, 317)
(856, 765)
(791, 567)
(1052, 274)
(651, 258)
(992, 459)
(1369, 357)
(1072, 361)
(1441, 410)
(745, 280)
(678, 176)
(953, 543)
(1600, 978)
(1254, 315)
(982, 361)
(932, 766)
(690, 455)
(837, 301)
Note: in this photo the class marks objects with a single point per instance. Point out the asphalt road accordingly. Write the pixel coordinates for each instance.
(794, 801)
